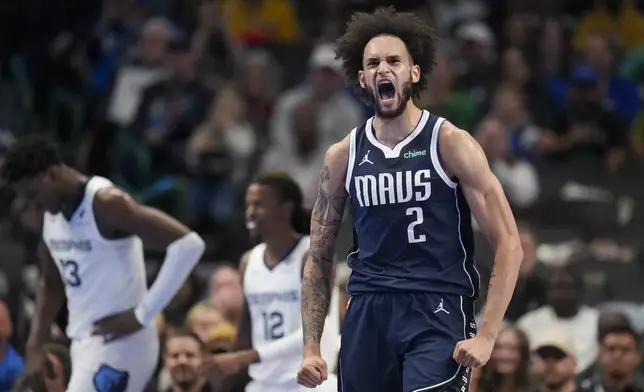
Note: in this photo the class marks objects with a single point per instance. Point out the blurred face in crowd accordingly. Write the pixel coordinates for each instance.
(529, 246)
(442, 77)
(305, 126)
(153, 46)
(493, 139)
(557, 367)
(203, 319)
(326, 82)
(226, 293)
(182, 359)
(551, 43)
(265, 210)
(598, 54)
(6, 325)
(515, 68)
(564, 295)
(506, 355)
(256, 81)
(508, 106)
(516, 31)
(619, 355)
(182, 64)
(387, 75)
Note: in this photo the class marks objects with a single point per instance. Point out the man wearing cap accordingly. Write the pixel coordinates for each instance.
(555, 363)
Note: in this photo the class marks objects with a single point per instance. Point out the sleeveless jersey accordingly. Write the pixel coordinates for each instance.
(412, 225)
(274, 303)
(101, 276)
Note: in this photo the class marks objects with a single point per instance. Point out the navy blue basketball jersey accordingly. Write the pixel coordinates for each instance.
(412, 225)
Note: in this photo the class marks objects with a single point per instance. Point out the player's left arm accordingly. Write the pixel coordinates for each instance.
(119, 211)
(463, 158)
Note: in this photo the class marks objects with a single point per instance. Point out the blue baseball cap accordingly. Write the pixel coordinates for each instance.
(583, 75)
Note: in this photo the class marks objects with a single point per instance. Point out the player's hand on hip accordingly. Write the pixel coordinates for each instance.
(313, 371)
(474, 352)
(117, 326)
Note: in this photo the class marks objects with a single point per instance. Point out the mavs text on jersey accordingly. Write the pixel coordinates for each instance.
(412, 225)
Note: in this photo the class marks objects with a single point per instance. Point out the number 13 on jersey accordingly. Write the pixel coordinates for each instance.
(412, 236)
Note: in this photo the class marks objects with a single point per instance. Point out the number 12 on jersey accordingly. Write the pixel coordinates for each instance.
(412, 236)
(273, 323)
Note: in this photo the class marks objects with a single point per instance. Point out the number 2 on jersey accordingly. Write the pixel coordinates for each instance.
(273, 323)
(70, 273)
(412, 237)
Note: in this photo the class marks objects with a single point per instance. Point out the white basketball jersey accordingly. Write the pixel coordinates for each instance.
(101, 276)
(275, 306)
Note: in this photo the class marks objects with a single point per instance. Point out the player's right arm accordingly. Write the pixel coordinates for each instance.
(326, 218)
(49, 299)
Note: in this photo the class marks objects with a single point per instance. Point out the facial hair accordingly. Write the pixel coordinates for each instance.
(404, 96)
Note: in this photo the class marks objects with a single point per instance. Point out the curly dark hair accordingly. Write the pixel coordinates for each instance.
(28, 157)
(419, 38)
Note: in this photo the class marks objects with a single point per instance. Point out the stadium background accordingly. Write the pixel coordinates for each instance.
(182, 102)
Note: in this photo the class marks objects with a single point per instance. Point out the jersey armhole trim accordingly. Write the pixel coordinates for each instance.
(352, 159)
(433, 152)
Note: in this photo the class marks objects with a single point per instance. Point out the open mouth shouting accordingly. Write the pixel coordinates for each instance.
(386, 92)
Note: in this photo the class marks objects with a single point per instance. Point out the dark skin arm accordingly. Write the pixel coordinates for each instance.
(326, 218)
(118, 215)
(49, 299)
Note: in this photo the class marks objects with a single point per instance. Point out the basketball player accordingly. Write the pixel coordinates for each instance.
(93, 235)
(412, 179)
(270, 333)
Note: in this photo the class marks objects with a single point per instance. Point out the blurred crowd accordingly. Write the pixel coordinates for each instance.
(183, 102)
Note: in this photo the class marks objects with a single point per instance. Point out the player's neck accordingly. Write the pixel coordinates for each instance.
(75, 188)
(393, 130)
(281, 242)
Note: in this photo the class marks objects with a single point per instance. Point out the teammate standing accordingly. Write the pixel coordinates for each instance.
(270, 333)
(411, 178)
(93, 235)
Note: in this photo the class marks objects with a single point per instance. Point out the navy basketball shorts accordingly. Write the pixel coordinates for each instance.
(404, 342)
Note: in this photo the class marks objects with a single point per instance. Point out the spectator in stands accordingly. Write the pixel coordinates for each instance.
(308, 155)
(219, 155)
(226, 292)
(614, 18)
(555, 362)
(530, 291)
(441, 98)
(509, 367)
(517, 175)
(256, 22)
(12, 364)
(203, 319)
(182, 359)
(337, 111)
(619, 94)
(260, 84)
(585, 125)
(144, 67)
(475, 70)
(565, 311)
(620, 357)
(54, 375)
(172, 109)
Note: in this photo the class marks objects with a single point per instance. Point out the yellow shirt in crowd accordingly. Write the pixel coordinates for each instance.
(261, 21)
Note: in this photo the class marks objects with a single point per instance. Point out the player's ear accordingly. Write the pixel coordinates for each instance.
(361, 79)
(415, 73)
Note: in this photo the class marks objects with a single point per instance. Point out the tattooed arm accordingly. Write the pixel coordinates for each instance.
(325, 225)
(464, 158)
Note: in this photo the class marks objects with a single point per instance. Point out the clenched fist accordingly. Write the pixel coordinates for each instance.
(313, 371)
(474, 352)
